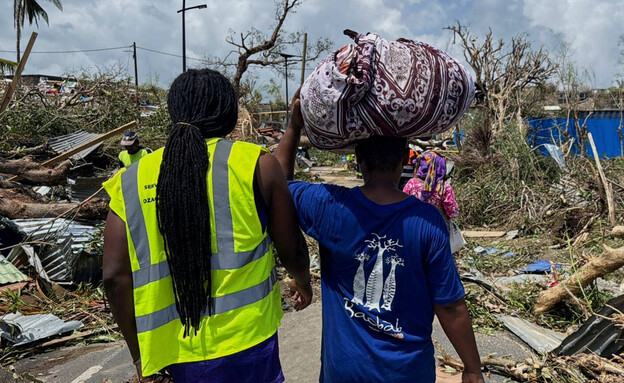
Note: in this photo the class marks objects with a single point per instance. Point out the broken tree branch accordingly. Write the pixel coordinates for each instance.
(609, 261)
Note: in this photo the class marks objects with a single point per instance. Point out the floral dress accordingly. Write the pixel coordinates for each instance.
(443, 199)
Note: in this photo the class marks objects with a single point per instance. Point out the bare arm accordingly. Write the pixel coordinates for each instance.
(286, 151)
(456, 324)
(284, 227)
(117, 279)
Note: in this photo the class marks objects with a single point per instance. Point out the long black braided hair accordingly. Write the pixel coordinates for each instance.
(202, 104)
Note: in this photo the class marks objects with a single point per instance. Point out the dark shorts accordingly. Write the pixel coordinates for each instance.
(259, 364)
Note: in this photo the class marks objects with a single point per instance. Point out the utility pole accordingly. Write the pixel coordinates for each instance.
(286, 56)
(136, 73)
(183, 36)
(183, 11)
(303, 61)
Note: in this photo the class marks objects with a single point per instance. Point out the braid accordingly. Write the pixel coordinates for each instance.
(202, 104)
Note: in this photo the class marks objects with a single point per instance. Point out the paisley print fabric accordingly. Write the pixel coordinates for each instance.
(399, 88)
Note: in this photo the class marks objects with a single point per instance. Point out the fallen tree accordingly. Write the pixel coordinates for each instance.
(34, 171)
(599, 266)
(14, 204)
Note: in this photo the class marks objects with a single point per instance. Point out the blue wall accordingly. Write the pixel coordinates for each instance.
(603, 130)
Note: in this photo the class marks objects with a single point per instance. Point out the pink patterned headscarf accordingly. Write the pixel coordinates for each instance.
(399, 88)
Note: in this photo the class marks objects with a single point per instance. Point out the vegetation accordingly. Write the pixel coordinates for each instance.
(31, 10)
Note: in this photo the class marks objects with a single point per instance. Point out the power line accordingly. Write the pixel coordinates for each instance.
(167, 54)
(77, 51)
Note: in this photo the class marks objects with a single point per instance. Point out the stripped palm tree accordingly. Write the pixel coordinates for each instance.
(31, 10)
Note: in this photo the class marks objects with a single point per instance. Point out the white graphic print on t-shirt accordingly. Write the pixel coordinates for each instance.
(370, 291)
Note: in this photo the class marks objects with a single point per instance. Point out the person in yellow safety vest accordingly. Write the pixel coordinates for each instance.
(133, 150)
(189, 266)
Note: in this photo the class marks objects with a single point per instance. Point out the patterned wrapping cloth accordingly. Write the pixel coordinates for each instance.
(400, 88)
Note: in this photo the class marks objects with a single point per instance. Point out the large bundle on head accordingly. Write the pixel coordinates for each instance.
(400, 88)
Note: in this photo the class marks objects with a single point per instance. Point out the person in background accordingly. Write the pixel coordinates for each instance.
(189, 266)
(386, 269)
(133, 151)
(428, 184)
(413, 155)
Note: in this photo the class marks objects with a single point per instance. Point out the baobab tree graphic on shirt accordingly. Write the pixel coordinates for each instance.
(359, 282)
(375, 284)
(390, 284)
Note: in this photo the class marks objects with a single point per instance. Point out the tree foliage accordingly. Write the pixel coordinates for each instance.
(258, 48)
(31, 10)
(100, 102)
(504, 72)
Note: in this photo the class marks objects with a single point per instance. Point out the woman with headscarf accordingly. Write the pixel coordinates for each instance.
(188, 265)
(429, 185)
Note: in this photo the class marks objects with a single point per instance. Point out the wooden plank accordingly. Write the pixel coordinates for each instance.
(18, 73)
(483, 234)
(605, 182)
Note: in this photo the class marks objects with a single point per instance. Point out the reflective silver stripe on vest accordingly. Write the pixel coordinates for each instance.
(221, 197)
(152, 273)
(134, 215)
(219, 305)
(225, 258)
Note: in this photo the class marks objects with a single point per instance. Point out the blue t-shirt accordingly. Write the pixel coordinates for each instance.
(383, 268)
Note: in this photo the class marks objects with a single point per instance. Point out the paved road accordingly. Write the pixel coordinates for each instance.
(299, 340)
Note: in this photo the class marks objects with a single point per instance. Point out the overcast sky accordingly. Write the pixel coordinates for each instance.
(593, 27)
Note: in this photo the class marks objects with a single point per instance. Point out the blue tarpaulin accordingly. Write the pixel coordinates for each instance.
(602, 125)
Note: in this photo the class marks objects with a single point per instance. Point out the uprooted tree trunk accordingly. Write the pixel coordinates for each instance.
(15, 204)
(609, 261)
(31, 170)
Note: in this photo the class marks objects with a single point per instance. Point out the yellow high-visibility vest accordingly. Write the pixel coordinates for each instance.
(128, 159)
(245, 298)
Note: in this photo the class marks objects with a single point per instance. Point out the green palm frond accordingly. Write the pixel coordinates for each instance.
(7, 66)
(32, 10)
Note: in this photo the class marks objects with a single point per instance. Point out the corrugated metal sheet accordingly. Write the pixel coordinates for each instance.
(67, 142)
(46, 228)
(538, 338)
(598, 335)
(69, 239)
(9, 273)
(84, 188)
(36, 327)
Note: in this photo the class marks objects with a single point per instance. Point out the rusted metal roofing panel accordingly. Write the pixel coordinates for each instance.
(67, 142)
(540, 339)
(9, 273)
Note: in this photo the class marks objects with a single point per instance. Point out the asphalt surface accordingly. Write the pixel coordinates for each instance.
(299, 342)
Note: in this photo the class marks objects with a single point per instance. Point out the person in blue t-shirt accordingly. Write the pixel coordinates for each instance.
(386, 268)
